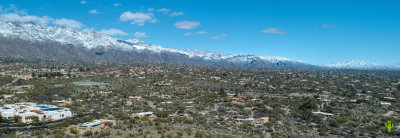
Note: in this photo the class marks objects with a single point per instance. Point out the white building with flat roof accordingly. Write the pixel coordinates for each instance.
(95, 125)
(29, 111)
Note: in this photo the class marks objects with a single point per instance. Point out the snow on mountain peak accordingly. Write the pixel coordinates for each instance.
(93, 40)
(351, 64)
(135, 41)
(356, 64)
(64, 35)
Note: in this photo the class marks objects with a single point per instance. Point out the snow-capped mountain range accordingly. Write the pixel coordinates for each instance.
(55, 42)
(91, 40)
(355, 64)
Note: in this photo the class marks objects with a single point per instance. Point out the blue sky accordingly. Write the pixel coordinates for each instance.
(313, 31)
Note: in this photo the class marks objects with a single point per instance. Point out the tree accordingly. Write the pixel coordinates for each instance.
(58, 133)
(309, 104)
(73, 130)
(17, 119)
(105, 133)
(4, 130)
(162, 114)
(188, 131)
(88, 133)
(2, 120)
(305, 110)
(199, 134)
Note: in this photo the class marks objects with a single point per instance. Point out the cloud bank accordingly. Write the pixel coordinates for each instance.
(273, 31)
(141, 35)
(187, 24)
(138, 18)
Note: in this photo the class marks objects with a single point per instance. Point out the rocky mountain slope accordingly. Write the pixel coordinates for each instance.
(30, 40)
(35, 41)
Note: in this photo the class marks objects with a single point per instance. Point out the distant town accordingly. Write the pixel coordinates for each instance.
(76, 99)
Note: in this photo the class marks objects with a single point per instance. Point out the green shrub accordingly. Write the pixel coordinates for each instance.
(88, 133)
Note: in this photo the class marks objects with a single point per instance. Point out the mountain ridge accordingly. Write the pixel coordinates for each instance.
(357, 64)
(62, 43)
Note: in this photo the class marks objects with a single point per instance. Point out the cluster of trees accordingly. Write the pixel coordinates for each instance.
(5, 79)
(48, 74)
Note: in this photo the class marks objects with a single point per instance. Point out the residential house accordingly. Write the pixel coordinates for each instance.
(189, 107)
(246, 120)
(151, 115)
(237, 99)
(63, 102)
(383, 103)
(326, 114)
(263, 120)
(95, 125)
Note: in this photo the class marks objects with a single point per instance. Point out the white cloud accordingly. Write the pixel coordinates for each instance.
(273, 31)
(215, 37)
(195, 33)
(328, 25)
(13, 17)
(140, 35)
(116, 4)
(186, 24)
(13, 9)
(83, 2)
(220, 36)
(94, 12)
(150, 9)
(164, 10)
(201, 32)
(113, 31)
(23, 17)
(176, 14)
(138, 18)
(68, 23)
